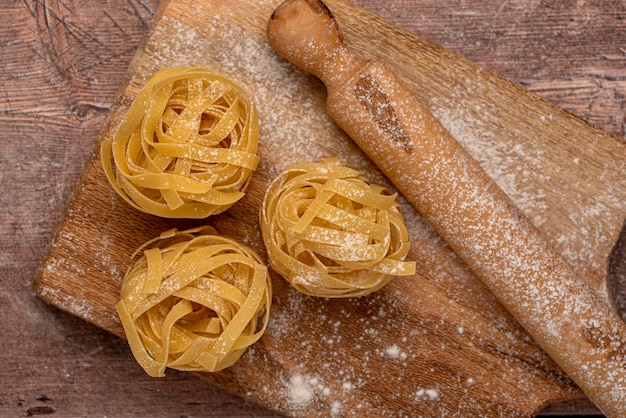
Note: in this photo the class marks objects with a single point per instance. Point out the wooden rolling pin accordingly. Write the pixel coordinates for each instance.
(463, 204)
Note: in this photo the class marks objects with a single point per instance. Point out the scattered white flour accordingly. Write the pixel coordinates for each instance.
(394, 351)
(79, 307)
(300, 391)
(431, 394)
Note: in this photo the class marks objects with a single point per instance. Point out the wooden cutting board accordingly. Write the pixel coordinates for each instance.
(434, 344)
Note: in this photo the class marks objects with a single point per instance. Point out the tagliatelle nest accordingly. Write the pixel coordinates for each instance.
(329, 232)
(187, 146)
(193, 301)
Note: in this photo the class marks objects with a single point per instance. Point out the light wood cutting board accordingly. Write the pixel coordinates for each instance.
(434, 344)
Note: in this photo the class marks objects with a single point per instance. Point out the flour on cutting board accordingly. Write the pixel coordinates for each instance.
(369, 326)
(524, 172)
(300, 391)
(327, 373)
(431, 394)
(79, 307)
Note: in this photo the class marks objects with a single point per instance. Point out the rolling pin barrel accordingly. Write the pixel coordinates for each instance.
(463, 204)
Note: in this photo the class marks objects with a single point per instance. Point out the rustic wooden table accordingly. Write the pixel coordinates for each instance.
(62, 64)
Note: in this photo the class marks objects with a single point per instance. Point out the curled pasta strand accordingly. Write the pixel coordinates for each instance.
(187, 146)
(193, 300)
(331, 233)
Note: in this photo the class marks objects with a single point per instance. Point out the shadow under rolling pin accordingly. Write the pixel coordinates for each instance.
(464, 205)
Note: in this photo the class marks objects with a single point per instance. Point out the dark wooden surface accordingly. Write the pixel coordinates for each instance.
(62, 64)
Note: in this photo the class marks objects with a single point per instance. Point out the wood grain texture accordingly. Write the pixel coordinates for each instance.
(64, 62)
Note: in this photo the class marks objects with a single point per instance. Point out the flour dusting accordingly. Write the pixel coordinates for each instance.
(299, 391)
(430, 394)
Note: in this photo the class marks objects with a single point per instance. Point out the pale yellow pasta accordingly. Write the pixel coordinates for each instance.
(193, 301)
(187, 146)
(331, 233)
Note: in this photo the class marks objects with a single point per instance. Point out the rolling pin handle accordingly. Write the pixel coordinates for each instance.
(306, 33)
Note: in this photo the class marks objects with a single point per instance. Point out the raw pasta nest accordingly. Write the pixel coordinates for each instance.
(193, 301)
(187, 146)
(331, 233)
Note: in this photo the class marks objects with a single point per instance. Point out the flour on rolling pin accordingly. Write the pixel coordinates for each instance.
(463, 204)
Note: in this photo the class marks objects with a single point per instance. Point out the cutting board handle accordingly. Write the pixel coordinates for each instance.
(462, 203)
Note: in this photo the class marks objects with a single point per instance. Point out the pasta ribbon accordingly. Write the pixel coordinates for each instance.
(331, 233)
(194, 301)
(187, 146)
